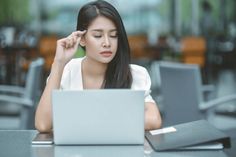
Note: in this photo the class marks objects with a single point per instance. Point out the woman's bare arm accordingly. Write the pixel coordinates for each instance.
(152, 116)
(43, 116)
(66, 48)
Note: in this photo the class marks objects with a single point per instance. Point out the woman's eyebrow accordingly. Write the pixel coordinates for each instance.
(97, 30)
(101, 30)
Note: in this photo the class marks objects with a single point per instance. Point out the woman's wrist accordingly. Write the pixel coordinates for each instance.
(57, 67)
(56, 74)
(58, 64)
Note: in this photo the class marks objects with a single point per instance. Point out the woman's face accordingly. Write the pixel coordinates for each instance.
(101, 40)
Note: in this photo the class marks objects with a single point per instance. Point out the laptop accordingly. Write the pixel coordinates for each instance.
(94, 117)
(98, 151)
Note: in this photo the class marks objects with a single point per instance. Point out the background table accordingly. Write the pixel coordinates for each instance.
(18, 144)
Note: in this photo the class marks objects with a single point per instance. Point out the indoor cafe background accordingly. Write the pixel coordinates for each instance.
(200, 32)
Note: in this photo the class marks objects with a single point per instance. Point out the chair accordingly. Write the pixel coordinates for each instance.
(193, 49)
(183, 94)
(47, 49)
(18, 103)
(137, 46)
(156, 83)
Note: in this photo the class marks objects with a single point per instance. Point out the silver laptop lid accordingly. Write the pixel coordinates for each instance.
(104, 116)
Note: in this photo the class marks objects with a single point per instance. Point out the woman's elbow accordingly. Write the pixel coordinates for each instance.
(42, 128)
(153, 123)
(157, 123)
(153, 118)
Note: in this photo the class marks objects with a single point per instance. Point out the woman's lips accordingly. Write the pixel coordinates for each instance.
(106, 53)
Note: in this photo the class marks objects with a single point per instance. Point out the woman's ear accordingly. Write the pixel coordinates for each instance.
(82, 42)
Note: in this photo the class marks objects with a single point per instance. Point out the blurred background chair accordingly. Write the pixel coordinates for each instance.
(137, 45)
(185, 99)
(17, 104)
(194, 49)
(47, 49)
(156, 83)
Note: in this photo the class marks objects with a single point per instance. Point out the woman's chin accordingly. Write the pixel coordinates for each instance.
(105, 60)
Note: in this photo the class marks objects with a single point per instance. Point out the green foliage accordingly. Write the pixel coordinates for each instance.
(80, 53)
(14, 12)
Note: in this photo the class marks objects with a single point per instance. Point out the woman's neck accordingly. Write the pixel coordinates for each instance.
(93, 68)
(93, 74)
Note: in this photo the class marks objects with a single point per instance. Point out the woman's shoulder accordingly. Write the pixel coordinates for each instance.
(138, 72)
(75, 62)
(137, 69)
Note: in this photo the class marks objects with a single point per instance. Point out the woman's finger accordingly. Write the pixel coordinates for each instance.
(70, 42)
(62, 42)
(79, 33)
(74, 38)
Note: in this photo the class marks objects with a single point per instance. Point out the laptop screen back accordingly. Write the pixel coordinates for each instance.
(104, 116)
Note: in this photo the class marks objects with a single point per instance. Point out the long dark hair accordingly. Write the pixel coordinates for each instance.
(118, 74)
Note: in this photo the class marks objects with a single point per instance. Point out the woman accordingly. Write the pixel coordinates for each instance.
(100, 32)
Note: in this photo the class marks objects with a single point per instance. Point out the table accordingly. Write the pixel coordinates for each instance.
(18, 143)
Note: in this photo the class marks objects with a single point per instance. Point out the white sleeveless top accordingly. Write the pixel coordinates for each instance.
(72, 78)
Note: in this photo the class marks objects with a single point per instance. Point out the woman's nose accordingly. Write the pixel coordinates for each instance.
(106, 42)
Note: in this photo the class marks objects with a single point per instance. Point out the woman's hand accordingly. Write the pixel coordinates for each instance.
(67, 47)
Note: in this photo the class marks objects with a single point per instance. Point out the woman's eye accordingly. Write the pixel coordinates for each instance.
(113, 36)
(97, 36)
